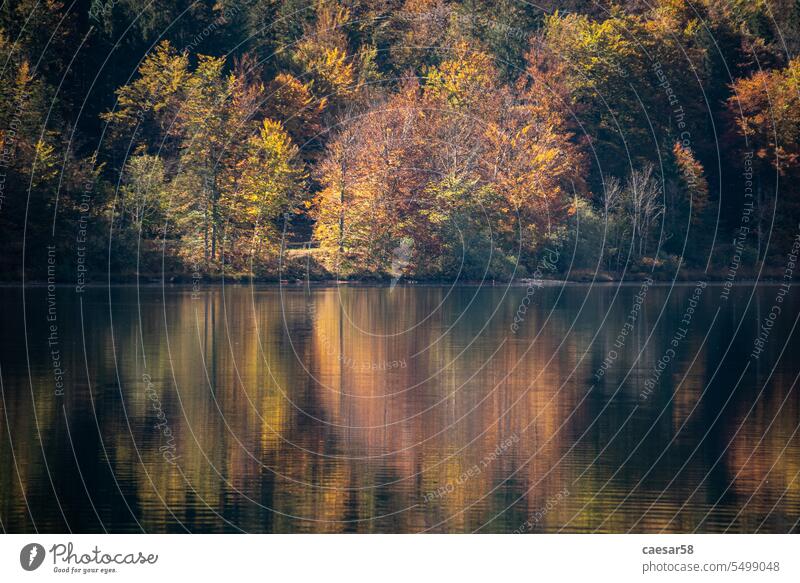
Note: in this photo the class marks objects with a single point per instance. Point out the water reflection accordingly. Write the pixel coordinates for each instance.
(410, 409)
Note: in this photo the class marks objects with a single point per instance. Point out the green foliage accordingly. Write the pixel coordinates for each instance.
(143, 194)
(462, 226)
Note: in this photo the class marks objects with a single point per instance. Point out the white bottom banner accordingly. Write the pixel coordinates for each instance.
(370, 558)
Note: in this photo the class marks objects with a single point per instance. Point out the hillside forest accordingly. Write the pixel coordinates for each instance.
(420, 140)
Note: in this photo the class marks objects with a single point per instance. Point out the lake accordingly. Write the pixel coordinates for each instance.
(561, 408)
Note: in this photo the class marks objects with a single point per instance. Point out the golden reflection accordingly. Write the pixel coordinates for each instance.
(401, 410)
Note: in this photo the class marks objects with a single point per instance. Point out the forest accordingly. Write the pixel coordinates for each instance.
(418, 140)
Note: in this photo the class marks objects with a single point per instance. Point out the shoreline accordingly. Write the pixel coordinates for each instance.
(690, 276)
(323, 283)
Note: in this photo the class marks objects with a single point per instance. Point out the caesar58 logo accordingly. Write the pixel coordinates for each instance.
(31, 556)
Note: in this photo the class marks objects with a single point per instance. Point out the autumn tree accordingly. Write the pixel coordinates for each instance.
(266, 184)
(629, 75)
(457, 164)
(322, 53)
(143, 194)
(687, 205)
(294, 104)
(232, 171)
(765, 114)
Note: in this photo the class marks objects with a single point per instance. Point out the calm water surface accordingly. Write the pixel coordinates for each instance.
(370, 409)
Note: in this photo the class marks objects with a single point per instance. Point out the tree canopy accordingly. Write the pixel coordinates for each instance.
(468, 136)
